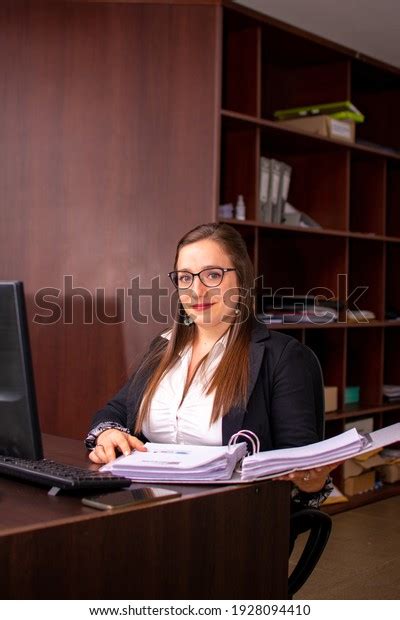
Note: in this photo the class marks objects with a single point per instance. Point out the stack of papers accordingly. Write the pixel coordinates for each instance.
(346, 445)
(305, 457)
(179, 463)
(218, 464)
(304, 316)
(392, 392)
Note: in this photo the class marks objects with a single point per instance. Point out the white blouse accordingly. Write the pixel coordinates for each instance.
(188, 423)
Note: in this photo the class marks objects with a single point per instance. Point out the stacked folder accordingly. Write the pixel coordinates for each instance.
(304, 457)
(220, 464)
(274, 189)
(391, 392)
(305, 316)
(346, 445)
(298, 309)
(179, 463)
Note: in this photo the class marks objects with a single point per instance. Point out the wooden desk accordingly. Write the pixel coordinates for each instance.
(213, 542)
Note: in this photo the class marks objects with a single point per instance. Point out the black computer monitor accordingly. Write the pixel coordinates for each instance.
(19, 424)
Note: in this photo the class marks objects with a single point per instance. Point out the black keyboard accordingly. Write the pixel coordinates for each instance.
(52, 474)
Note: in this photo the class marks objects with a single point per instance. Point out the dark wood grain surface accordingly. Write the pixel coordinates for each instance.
(213, 542)
(108, 130)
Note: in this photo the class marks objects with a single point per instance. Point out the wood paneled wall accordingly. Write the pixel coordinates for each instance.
(108, 129)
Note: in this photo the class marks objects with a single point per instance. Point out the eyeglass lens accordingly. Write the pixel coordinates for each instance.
(209, 277)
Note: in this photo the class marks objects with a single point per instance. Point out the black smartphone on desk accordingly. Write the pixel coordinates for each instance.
(122, 499)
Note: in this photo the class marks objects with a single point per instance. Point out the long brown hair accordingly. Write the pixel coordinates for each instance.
(230, 379)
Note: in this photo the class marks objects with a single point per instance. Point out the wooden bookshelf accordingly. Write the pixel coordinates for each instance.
(284, 228)
(210, 75)
(351, 189)
(284, 133)
(387, 490)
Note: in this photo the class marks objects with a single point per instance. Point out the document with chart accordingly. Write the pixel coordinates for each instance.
(179, 463)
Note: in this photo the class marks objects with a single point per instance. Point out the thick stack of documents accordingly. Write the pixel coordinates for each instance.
(179, 463)
(218, 464)
(346, 445)
(305, 457)
(360, 316)
(392, 392)
(298, 309)
(305, 316)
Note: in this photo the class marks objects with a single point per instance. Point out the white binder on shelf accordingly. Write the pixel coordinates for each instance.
(264, 187)
(283, 193)
(273, 192)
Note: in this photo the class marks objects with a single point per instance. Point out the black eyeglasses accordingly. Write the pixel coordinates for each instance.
(209, 277)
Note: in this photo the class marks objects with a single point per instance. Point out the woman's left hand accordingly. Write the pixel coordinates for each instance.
(310, 480)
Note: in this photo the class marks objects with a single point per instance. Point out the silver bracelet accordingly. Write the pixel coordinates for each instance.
(313, 499)
(90, 441)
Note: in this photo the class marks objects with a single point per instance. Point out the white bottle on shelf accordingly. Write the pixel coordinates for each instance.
(240, 211)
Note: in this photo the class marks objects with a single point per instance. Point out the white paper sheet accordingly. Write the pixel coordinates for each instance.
(221, 470)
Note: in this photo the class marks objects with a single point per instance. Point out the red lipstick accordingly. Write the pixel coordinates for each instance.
(203, 306)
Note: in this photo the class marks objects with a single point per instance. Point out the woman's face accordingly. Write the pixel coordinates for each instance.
(207, 306)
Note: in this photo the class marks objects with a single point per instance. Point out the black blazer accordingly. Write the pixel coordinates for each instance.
(281, 402)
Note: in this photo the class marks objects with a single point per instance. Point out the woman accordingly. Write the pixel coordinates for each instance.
(217, 370)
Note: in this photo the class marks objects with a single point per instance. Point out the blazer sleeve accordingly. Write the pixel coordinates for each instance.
(293, 414)
(292, 400)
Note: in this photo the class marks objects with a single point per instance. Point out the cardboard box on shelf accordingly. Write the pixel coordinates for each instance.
(336, 497)
(363, 425)
(351, 468)
(324, 125)
(331, 398)
(360, 484)
(390, 472)
(358, 466)
(368, 455)
(375, 460)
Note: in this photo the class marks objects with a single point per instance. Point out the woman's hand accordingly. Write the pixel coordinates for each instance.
(310, 480)
(111, 440)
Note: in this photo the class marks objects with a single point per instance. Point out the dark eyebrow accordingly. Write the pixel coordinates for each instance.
(206, 267)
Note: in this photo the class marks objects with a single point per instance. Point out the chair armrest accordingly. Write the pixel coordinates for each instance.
(320, 525)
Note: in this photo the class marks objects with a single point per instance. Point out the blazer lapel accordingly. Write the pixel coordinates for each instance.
(232, 421)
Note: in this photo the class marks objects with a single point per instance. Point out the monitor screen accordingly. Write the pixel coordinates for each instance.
(19, 424)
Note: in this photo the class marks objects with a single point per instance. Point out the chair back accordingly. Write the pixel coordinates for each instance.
(313, 520)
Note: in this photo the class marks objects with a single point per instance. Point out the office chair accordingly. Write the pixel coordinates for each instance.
(313, 520)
